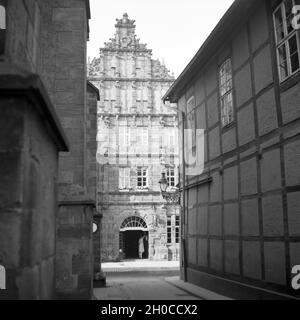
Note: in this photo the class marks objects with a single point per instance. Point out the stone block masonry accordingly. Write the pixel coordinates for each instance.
(135, 129)
(47, 38)
(28, 192)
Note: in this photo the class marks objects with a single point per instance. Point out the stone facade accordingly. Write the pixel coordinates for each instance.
(31, 138)
(64, 72)
(43, 46)
(247, 213)
(135, 130)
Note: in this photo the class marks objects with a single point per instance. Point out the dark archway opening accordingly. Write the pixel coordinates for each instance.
(130, 244)
(134, 239)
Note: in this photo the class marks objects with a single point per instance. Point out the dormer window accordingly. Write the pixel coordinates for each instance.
(2, 26)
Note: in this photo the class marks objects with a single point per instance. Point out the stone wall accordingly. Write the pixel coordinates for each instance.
(91, 142)
(28, 187)
(63, 67)
(23, 37)
(74, 266)
(49, 38)
(64, 73)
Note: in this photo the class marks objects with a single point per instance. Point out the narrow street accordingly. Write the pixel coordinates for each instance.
(142, 286)
(146, 280)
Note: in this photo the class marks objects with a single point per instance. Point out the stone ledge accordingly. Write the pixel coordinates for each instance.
(87, 202)
(17, 82)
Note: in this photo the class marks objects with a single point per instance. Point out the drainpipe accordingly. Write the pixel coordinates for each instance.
(183, 210)
(183, 214)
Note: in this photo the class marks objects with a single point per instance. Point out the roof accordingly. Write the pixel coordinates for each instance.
(234, 15)
(95, 89)
(15, 81)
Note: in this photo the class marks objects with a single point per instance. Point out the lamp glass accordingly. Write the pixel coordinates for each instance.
(163, 183)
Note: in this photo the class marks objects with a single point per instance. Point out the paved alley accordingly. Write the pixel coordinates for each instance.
(141, 287)
(148, 280)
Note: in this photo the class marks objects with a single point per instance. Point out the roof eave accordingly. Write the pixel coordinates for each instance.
(233, 15)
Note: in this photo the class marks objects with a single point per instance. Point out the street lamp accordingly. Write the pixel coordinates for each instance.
(171, 196)
(163, 183)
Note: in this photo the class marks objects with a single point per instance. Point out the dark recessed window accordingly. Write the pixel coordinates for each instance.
(142, 177)
(177, 229)
(169, 229)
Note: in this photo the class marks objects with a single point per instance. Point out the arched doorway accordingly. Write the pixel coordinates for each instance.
(134, 235)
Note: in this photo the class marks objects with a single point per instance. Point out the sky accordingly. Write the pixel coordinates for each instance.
(173, 29)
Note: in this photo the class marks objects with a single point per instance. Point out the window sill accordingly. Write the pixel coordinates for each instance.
(125, 190)
(290, 82)
(229, 126)
(142, 189)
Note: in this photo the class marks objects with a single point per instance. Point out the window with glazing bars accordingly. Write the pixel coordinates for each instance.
(142, 139)
(124, 178)
(169, 229)
(142, 177)
(171, 177)
(287, 40)
(124, 137)
(226, 93)
(177, 229)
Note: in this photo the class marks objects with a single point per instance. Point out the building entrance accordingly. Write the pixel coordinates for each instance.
(134, 239)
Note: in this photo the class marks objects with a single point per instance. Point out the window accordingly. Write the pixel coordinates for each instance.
(124, 136)
(172, 142)
(287, 40)
(133, 223)
(177, 229)
(142, 139)
(171, 177)
(2, 27)
(145, 94)
(142, 177)
(139, 95)
(226, 96)
(124, 178)
(169, 229)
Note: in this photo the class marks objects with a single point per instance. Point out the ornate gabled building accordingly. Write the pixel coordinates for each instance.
(137, 136)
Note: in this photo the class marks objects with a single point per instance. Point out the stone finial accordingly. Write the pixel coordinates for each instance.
(125, 17)
(125, 21)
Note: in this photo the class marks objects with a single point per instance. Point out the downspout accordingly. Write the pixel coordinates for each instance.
(183, 212)
(183, 209)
